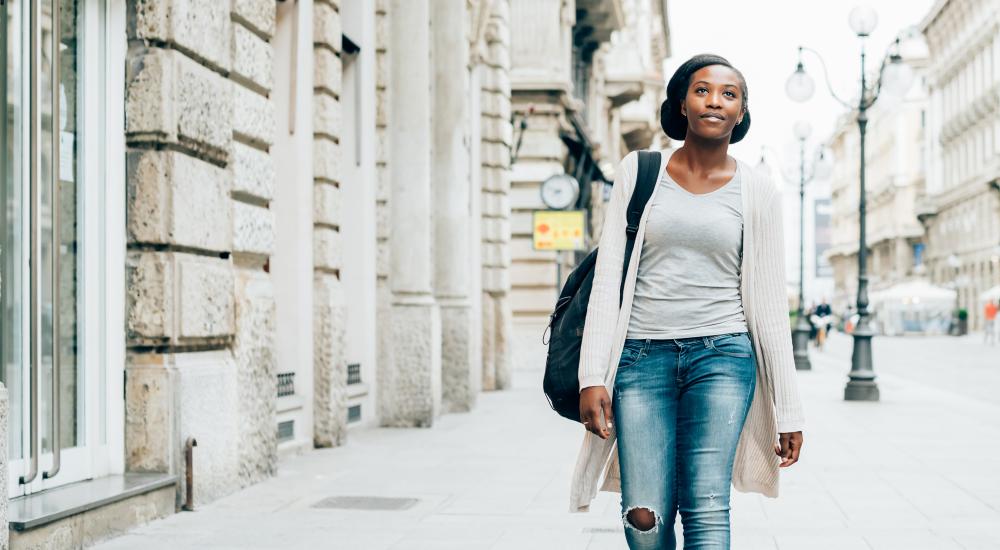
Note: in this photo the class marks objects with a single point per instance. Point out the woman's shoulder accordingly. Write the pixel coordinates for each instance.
(759, 182)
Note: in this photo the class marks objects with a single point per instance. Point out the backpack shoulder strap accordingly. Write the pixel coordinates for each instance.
(645, 181)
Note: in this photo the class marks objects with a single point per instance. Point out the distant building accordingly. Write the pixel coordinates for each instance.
(961, 208)
(895, 167)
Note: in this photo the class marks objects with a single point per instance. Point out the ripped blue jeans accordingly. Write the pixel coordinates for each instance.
(679, 406)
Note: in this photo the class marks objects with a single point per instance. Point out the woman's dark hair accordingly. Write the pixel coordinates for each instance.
(672, 121)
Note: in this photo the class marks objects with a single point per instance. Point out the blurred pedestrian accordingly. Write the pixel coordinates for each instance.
(822, 318)
(989, 328)
(707, 294)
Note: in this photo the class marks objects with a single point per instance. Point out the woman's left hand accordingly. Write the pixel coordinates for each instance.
(788, 448)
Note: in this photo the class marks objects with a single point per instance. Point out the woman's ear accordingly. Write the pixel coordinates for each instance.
(684, 110)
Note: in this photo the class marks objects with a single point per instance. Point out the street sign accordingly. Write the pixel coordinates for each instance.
(559, 229)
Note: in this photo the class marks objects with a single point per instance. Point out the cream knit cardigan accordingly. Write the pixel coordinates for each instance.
(775, 408)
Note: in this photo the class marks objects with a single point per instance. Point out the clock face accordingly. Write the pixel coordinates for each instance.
(560, 191)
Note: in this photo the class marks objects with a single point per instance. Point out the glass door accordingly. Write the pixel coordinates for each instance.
(46, 286)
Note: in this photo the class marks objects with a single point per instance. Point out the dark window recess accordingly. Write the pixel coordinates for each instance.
(354, 413)
(286, 430)
(354, 373)
(286, 384)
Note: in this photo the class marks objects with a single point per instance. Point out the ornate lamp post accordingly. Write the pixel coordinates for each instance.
(895, 77)
(800, 334)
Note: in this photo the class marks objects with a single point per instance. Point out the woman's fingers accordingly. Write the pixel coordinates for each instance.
(788, 450)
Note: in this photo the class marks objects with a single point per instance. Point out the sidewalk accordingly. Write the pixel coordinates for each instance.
(918, 470)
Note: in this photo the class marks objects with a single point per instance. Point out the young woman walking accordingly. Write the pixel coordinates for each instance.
(698, 358)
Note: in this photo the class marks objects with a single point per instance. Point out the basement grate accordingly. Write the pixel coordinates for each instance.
(366, 503)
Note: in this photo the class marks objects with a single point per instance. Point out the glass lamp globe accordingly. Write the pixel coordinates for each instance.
(863, 20)
(800, 86)
(823, 167)
(802, 129)
(897, 77)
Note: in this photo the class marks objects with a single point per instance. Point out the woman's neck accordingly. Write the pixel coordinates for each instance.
(703, 157)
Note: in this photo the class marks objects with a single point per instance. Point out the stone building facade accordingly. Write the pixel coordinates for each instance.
(961, 209)
(587, 81)
(311, 219)
(895, 170)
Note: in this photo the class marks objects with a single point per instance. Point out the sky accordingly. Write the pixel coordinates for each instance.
(761, 39)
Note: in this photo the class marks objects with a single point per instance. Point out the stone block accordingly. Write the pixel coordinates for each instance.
(411, 395)
(382, 71)
(87, 529)
(505, 232)
(460, 373)
(205, 299)
(252, 59)
(492, 204)
(521, 249)
(381, 33)
(256, 368)
(326, 159)
(383, 223)
(381, 108)
(534, 301)
(521, 223)
(326, 26)
(330, 363)
(488, 331)
(179, 200)
(382, 148)
(257, 15)
(532, 274)
(383, 186)
(327, 69)
(150, 286)
(209, 412)
(5, 423)
(199, 28)
(253, 229)
(327, 252)
(253, 172)
(253, 117)
(176, 297)
(170, 99)
(526, 197)
(151, 424)
(326, 115)
(382, 256)
(326, 204)
(504, 323)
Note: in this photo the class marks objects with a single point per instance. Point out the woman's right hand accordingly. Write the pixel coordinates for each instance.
(595, 411)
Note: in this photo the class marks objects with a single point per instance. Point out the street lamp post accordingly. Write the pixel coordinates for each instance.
(895, 77)
(800, 336)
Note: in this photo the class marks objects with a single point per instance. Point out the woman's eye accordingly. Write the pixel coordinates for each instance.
(731, 94)
(701, 89)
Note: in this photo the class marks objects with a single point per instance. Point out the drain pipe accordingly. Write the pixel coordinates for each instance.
(189, 473)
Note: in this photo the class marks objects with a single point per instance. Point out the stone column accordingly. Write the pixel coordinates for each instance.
(411, 394)
(329, 311)
(451, 203)
(494, 167)
(4, 427)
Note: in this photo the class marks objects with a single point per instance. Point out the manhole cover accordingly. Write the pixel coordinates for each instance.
(366, 503)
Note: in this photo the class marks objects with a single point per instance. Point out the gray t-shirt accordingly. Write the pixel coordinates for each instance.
(688, 280)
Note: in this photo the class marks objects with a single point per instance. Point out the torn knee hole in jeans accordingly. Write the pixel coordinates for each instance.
(645, 521)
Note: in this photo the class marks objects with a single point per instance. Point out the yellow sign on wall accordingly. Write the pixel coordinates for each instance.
(559, 229)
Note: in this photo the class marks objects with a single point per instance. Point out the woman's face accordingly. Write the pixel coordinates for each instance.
(714, 102)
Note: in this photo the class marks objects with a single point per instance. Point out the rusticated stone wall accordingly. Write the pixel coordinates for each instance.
(199, 319)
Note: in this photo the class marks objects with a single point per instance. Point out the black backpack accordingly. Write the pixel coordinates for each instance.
(561, 382)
